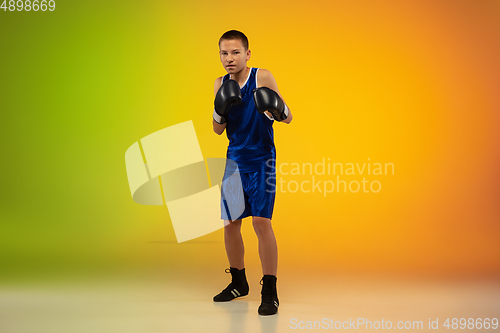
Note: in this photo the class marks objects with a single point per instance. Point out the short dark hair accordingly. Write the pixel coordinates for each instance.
(235, 34)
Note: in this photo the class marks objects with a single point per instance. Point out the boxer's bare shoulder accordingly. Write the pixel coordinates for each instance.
(263, 77)
(266, 79)
(217, 84)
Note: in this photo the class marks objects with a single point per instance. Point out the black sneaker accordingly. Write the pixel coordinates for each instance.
(237, 288)
(270, 302)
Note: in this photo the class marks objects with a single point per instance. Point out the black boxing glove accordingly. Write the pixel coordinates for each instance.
(268, 100)
(229, 94)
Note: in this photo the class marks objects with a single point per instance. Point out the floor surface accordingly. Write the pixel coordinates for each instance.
(185, 305)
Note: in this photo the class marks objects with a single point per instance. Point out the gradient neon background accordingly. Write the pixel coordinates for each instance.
(414, 83)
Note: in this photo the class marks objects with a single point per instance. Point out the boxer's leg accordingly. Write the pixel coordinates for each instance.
(235, 253)
(233, 241)
(268, 248)
(261, 200)
(268, 251)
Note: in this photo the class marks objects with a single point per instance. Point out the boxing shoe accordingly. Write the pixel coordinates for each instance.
(270, 302)
(237, 288)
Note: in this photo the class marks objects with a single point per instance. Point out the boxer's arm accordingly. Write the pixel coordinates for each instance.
(266, 79)
(218, 128)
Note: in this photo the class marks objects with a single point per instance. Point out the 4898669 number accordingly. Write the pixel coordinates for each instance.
(28, 5)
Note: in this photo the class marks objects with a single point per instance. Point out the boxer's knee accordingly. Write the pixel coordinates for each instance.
(261, 225)
(232, 225)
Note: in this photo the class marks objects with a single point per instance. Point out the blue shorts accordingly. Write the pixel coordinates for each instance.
(248, 194)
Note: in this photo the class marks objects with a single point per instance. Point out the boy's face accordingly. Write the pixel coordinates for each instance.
(233, 55)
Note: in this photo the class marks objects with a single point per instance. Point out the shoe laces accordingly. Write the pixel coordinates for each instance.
(268, 292)
(236, 280)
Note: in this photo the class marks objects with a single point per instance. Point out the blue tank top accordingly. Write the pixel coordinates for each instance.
(250, 134)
